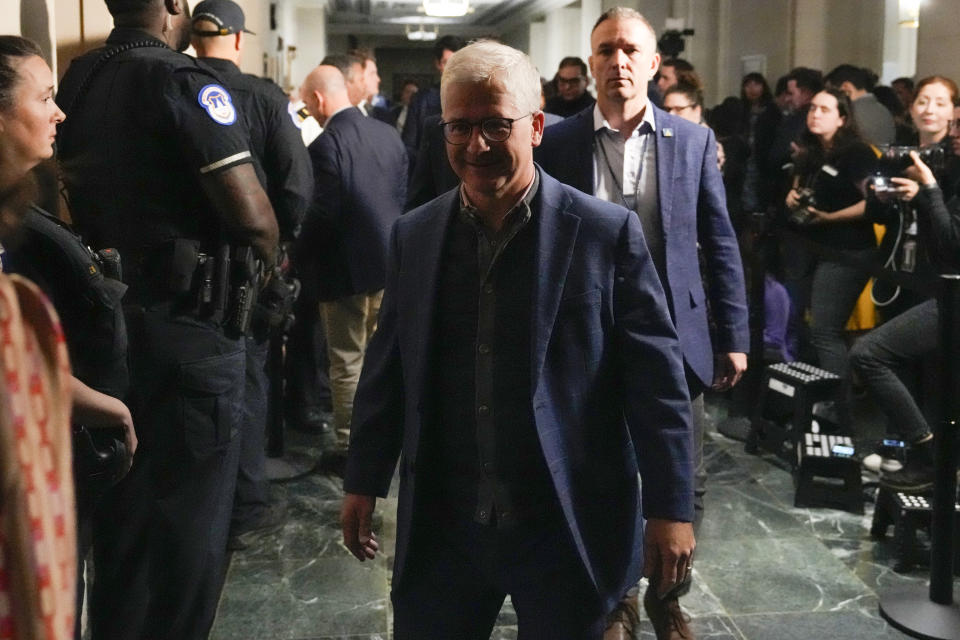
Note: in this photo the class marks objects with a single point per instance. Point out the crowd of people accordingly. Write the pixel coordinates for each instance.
(514, 291)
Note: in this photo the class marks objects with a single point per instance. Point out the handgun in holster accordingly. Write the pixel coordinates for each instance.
(245, 282)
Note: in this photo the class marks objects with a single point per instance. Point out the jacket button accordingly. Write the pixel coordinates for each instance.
(483, 410)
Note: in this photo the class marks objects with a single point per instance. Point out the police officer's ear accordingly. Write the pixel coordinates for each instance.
(176, 7)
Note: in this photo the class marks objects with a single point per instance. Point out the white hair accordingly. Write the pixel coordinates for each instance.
(489, 62)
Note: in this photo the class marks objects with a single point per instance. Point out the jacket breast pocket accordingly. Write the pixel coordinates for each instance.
(211, 402)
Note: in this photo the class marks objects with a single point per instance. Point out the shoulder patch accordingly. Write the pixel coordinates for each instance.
(218, 104)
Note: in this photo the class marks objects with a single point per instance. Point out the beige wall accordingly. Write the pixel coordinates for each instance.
(10, 17)
(818, 33)
(34, 19)
(760, 29)
(256, 14)
(75, 34)
(859, 41)
(938, 49)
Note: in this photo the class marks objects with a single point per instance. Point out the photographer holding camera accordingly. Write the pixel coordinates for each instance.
(913, 334)
(827, 206)
(932, 111)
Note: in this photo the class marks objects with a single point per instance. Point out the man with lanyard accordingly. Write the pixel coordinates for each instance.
(157, 163)
(283, 167)
(628, 151)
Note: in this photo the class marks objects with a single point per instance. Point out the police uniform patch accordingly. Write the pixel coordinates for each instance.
(218, 104)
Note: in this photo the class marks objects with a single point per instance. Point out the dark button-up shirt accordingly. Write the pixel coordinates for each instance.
(490, 463)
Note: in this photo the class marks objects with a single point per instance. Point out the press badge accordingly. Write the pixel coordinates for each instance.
(830, 170)
(217, 103)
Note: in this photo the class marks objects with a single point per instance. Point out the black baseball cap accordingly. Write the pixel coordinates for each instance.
(226, 14)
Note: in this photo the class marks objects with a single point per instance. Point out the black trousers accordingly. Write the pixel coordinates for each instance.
(252, 487)
(307, 367)
(459, 572)
(160, 534)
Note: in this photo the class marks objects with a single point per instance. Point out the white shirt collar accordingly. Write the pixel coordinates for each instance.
(599, 122)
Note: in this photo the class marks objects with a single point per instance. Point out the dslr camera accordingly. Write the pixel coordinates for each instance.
(895, 159)
(800, 214)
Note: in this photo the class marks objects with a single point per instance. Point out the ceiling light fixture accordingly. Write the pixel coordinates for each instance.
(446, 8)
(421, 35)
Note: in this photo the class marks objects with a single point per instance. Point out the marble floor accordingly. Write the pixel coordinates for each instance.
(765, 570)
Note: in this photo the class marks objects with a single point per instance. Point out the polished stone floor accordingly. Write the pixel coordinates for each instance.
(765, 570)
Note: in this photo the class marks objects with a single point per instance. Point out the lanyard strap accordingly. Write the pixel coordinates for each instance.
(613, 175)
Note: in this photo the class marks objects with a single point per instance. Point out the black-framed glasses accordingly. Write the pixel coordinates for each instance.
(679, 108)
(458, 132)
(570, 82)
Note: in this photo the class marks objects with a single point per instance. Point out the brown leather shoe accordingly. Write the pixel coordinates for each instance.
(668, 619)
(623, 623)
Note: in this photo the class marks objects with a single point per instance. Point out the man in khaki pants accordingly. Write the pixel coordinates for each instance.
(349, 323)
(360, 169)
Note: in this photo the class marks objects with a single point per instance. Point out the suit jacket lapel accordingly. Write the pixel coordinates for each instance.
(666, 139)
(583, 146)
(556, 236)
(422, 271)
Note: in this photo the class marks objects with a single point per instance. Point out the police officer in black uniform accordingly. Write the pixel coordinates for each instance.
(157, 163)
(283, 166)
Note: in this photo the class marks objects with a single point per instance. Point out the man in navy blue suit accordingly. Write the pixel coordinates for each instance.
(628, 151)
(360, 172)
(524, 370)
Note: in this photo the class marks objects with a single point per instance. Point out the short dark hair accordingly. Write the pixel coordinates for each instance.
(343, 61)
(888, 97)
(691, 92)
(363, 54)
(807, 78)
(448, 42)
(12, 49)
(574, 61)
(126, 7)
(857, 76)
(677, 63)
(624, 13)
(905, 81)
(781, 87)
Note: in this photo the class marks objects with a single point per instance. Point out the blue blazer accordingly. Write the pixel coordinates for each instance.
(360, 173)
(693, 210)
(608, 397)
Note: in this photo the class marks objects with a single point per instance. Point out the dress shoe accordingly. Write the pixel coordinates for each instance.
(917, 472)
(313, 421)
(623, 623)
(270, 520)
(668, 619)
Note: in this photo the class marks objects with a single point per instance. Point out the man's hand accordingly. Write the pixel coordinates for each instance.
(728, 368)
(793, 199)
(355, 516)
(668, 552)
